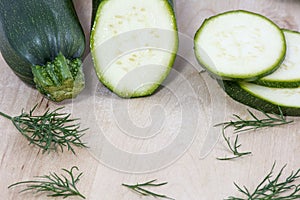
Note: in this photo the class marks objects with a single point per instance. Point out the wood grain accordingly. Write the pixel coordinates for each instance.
(189, 176)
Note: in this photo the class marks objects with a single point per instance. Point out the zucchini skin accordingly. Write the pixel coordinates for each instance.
(95, 6)
(279, 84)
(237, 93)
(34, 32)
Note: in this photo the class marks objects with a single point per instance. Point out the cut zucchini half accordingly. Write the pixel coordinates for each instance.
(134, 44)
(288, 74)
(240, 45)
(265, 98)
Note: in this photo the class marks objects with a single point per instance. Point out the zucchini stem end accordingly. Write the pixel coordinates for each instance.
(60, 79)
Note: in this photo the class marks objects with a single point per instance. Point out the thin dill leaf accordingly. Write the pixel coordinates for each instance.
(273, 188)
(49, 131)
(270, 120)
(139, 188)
(234, 149)
(241, 125)
(53, 184)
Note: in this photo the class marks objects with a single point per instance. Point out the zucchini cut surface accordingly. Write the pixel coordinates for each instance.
(265, 98)
(240, 45)
(288, 74)
(134, 45)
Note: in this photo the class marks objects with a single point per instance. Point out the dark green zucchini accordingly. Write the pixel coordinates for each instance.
(42, 41)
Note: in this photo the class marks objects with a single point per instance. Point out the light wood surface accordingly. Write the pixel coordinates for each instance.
(188, 103)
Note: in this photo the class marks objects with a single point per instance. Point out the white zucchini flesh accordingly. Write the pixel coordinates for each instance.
(287, 97)
(288, 74)
(134, 45)
(240, 45)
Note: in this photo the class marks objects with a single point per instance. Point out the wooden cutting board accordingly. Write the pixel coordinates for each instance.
(168, 136)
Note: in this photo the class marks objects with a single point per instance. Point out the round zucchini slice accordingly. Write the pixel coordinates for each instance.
(240, 45)
(288, 74)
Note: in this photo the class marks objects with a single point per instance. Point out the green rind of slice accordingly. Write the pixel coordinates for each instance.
(239, 92)
(279, 84)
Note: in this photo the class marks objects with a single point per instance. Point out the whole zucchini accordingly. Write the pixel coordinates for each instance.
(42, 41)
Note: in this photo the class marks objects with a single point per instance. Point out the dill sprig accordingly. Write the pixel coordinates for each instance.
(275, 189)
(49, 131)
(138, 188)
(55, 185)
(270, 120)
(234, 149)
(241, 125)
